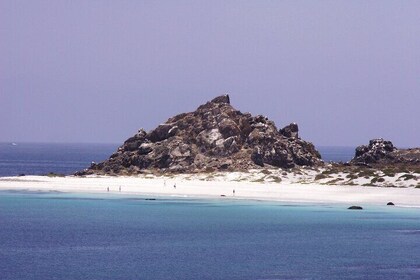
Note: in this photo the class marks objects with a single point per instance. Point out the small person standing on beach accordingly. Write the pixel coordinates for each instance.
(107, 189)
(120, 189)
(233, 192)
(175, 186)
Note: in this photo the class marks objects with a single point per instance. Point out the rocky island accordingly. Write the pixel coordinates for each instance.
(218, 142)
(214, 137)
(217, 151)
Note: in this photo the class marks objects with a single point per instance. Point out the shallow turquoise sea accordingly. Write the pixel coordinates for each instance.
(80, 236)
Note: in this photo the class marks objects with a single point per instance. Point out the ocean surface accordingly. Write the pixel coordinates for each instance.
(41, 159)
(76, 236)
(52, 235)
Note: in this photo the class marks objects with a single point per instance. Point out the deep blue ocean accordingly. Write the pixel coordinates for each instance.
(111, 236)
(42, 158)
(70, 236)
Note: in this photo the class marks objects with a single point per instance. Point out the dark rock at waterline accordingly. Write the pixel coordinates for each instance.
(355, 207)
(390, 203)
(214, 137)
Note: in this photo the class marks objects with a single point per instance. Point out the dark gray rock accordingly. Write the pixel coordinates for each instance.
(222, 99)
(162, 132)
(290, 131)
(257, 156)
(355, 208)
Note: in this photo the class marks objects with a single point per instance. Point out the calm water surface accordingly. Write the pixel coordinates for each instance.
(42, 158)
(68, 236)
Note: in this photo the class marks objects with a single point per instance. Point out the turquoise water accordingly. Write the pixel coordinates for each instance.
(69, 236)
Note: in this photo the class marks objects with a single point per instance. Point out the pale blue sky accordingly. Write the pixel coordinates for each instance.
(96, 71)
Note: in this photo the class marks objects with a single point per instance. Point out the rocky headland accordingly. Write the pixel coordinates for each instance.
(378, 164)
(215, 137)
(380, 152)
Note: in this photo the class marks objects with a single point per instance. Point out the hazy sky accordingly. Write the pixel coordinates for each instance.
(97, 71)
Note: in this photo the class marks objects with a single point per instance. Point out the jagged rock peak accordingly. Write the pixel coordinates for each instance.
(214, 137)
(221, 99)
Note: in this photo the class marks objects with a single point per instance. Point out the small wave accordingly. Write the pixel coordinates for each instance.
(29, 191)
(409, 206)
(409, 231)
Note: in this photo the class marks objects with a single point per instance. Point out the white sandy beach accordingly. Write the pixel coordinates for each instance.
(195, 187)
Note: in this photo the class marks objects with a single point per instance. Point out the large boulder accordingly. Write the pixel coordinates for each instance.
(290, 131)
(162, 132)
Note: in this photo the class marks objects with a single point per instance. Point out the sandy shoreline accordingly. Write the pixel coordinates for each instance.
(198, 188)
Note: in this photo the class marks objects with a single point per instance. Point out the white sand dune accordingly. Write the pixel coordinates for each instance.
(200, 186)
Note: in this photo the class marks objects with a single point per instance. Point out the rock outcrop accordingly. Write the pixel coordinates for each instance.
(377, 150)
(380, 151)
(355, 207)
(214, 137)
